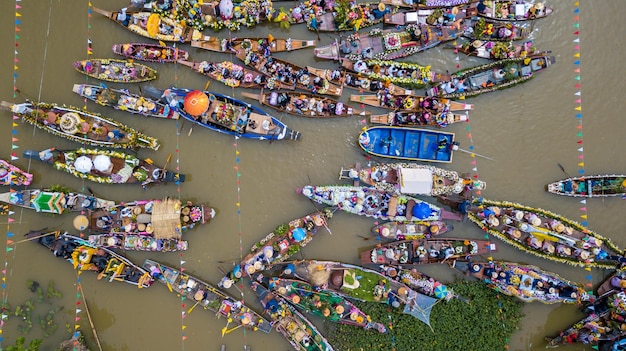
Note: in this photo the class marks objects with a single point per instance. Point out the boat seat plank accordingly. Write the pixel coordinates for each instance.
(397, 144)
(412, 144)
(428, 146)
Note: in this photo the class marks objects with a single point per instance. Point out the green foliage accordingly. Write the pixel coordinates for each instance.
(281, 230)
(486, 323)
(19, 345)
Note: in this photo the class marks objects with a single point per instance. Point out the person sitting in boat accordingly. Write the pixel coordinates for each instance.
(483, 6)
(449, 87)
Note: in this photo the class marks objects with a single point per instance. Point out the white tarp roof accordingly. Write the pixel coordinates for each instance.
(416, 181)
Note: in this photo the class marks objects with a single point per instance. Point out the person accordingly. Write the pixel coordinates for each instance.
(252, 124)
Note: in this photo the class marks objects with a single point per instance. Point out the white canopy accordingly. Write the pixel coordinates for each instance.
(416, 181)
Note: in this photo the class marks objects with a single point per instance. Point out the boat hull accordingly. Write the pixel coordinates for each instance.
(12, 175)
(590, 186)
(118, 71)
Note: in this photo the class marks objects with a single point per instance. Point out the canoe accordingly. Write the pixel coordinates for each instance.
(328, 306)
(85, 256)
(348, 16)
(590, 186)
(526, 282)
(277, 246)
(408, 144)
(440, 15)
(496, 50)
(614, 283)
(427, 4)
(406, 74)
(118, 71)
(419, 118)
(411, 103)
(151, 25)
(512, 10)
(255, 44)
(279, 70)
(52, 201)
(411, 230)
(123, 100)
(421, 283)
(296, 328)
(207, 296)
(544, 234)
(356, 81)
(135, 242)
(227, 115)
(413, 179)
(388, 44)
(305, 104)
(233, 75)
(371, 202)
(477, 28)
(81, 126)
(12, 175)
(105, 166)
(150, 52)
(425, 251)
(490, 77)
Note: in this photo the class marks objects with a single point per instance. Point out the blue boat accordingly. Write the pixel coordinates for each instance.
(408, 143)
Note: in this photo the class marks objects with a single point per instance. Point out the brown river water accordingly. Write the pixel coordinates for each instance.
(527, 130)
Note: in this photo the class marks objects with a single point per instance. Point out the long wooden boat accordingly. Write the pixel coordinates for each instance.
(411, 103)
(123, 100)
(492, 76)
(477, 28)
(421, 282)
(614, 283)
(371, 202)
(590, 186)
(496, 50)
(52, 201)
(408, 144)
(358, 82)
(234, 75)
(512, 10)
(135, 242)
(113, 70)
(85, 256)
(446, 14)
(227, 115)
(419, 118)
(151, 25)
(305, 104)
(389, 44)
(425, 251)
(348, 16)
(526, 282)
(150, 52)
(296, 328)
(544, 234)
(261, 45)
(82, 126)
(13, 175)
(411, 230)
(326, 305)
(208, 297)
(406, 74)
(277, 246)
(89, 164)
(427, 4)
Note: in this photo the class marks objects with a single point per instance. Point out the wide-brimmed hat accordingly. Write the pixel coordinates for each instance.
(536, 221)
(454, 10)
(475, 268)
(477, 43)
(434, 229)
(519, 215)
(559, 227)
(493, 221)
(549, 247)
(516, 234)
(381, 6)
(567, 251)
(385, 231)
(539, 6)
(584, 254)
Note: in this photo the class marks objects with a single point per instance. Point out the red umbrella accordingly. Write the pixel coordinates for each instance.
(196, 103)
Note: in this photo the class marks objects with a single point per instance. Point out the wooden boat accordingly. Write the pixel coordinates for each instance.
(82, 126)
(370, 202)
(278, 70)
(427, 4)
(12, 175)
(476, 28)
(590, 186)
(261, 45)
(134, 242)
(408, 144)
(52, 201)
(525, 282)
(113, 70)
(227, 115)
(296, 328)
(405, 74)
(329, 306)
(123, 100)
(496, 50)
(411, 178)
(208, 297)
(89, 164)
(411, 230)
(420, 282)
(544, 234)
(347, 16)
(419, 118)
(491, 77)
(277, 246)
(411, 103)
(233, 75)
(357, 82)
(151, 25)
(85, 256)
(425, 251)
(614, 283)
(512, 10)
(305, 104)
(440, 15)
(389, 44)
(150, 52)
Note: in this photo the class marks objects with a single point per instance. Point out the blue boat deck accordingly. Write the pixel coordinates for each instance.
(408, 143)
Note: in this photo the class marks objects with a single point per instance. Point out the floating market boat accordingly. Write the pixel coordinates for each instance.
(370, 202)
(476, 28)
(544, 234)
(82, 126)
(411, 103)
(406, 74)
(411, 230)
(296, 328)
(419, 118)
(227, 115)
(280, 244)
(85, 256)
(420, 282)
(113, 70)
(512, 10)
(425, 251)
(440, 15)
(123, 100)
(305, 104)
(52, 201)
(427, 4)
(525, 282)
(490, 77)
(408, 144)
(12, 175)
(590, 186)
(208, 297)
(261, 45)
(150, 52)
(233, 75)
(105, 166)
(133, 242)
(358, 82)
(497, 50)
(347, 16)
(614, 283)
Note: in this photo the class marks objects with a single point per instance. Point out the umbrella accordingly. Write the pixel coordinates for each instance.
(102, 163)
(226, 9)
(196, 103)
(441, 291)
(152, 25)
(83, 164)
(298, 234)
(421, 210)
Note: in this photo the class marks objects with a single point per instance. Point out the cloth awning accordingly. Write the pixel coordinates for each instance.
(416, 181)
(48, 202)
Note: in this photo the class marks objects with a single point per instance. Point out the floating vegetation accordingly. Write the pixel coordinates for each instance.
(26, 311)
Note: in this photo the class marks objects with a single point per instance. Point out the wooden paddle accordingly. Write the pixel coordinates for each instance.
(563, 169)
(194, 306)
